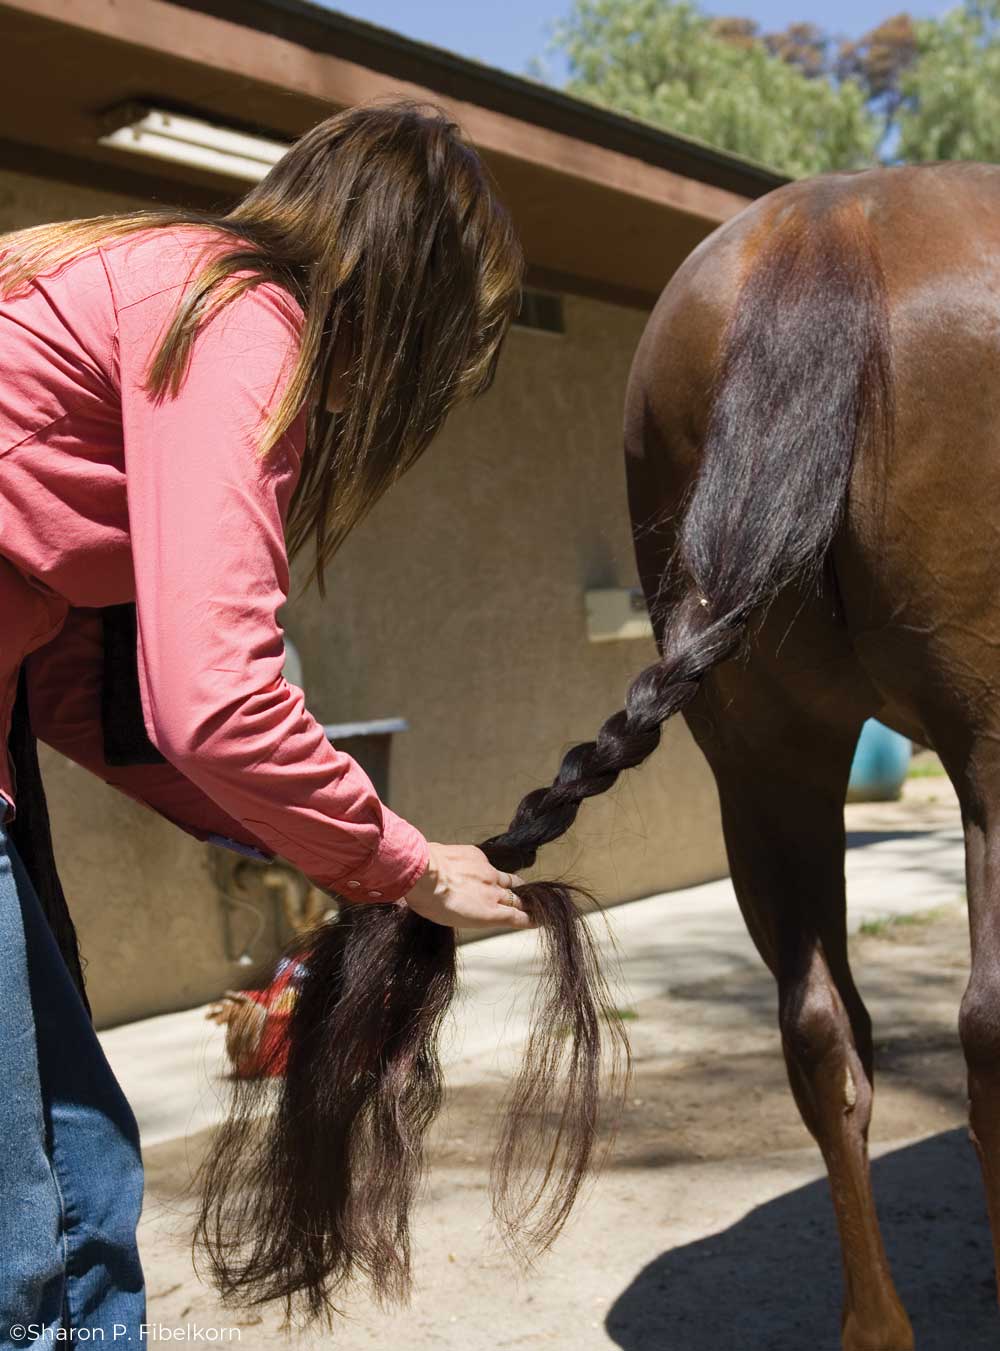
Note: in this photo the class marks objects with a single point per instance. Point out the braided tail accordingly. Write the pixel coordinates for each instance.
(298, 1202)
(694, 645)
(804, 380)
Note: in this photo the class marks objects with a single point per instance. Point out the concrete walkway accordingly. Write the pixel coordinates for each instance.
(710, 1226)
(902, 858)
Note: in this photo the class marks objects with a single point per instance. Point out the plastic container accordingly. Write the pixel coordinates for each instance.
(881, 760)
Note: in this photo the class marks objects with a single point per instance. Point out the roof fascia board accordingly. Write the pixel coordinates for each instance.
(249, 54)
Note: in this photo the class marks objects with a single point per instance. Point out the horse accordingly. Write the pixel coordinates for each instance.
(812, 451)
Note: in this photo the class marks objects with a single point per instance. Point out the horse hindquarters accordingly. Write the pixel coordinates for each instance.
(764, 378)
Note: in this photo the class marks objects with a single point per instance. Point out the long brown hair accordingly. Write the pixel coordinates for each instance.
(383, 223)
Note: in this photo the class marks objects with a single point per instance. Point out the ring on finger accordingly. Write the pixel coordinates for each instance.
(510, 898)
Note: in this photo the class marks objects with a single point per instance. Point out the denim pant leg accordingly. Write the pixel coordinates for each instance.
(76, 1255)
(32, 1266)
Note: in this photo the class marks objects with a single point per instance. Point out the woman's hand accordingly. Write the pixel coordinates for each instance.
(463, 890)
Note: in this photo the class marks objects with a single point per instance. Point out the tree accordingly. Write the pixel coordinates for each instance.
(878, 61)
(802, 45)
(742, 32)
(951, 92)
(666, 62)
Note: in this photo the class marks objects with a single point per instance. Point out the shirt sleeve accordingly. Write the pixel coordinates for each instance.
(64, 701)
(206, 516)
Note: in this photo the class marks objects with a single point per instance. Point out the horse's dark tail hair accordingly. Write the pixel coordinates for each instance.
(804, 378)
(299, 1201)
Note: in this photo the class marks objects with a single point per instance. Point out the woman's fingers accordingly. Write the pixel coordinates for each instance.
(516, 919)
(461, 888)
(513, 913)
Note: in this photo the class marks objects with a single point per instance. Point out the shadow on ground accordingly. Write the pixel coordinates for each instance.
(772, 1281)
(862, 839)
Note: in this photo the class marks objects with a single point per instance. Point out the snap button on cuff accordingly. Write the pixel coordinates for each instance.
(354, 884)
(374, 893)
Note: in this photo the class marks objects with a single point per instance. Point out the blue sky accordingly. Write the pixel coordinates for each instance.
(508, 33)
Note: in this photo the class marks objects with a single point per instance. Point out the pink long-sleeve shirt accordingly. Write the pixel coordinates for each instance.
(109, 495)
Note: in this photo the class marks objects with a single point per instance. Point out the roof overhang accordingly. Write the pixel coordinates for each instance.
(604, 205)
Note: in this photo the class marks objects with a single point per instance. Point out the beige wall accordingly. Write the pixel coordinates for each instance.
(458, 606)
(25, 200)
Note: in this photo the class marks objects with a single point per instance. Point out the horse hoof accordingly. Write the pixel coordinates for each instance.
(892, 1332)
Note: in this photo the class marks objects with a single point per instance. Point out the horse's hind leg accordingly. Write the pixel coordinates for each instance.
(784, 829)
(978, 785)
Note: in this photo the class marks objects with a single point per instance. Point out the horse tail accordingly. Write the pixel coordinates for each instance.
(803, 379)
(803, 382)
(298, 1202)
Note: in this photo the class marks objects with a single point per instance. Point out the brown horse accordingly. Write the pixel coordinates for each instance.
(813, 455)
(813, 466)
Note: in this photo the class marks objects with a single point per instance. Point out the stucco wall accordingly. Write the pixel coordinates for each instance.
(26, 200)
(458, 606)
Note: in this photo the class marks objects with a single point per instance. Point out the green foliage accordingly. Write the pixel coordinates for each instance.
(891, 925)
(662, 61)
(951, 94)
(796, 100)
(878, 60)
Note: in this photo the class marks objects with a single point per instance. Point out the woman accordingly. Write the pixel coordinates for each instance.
(188, 402)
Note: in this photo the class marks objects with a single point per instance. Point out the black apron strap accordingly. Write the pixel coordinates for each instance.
(125, 739)
(32, 836)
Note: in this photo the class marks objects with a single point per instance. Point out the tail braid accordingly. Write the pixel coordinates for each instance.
(693, 644)
(804, 378)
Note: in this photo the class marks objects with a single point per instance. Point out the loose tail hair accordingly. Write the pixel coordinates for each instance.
(299, 1201)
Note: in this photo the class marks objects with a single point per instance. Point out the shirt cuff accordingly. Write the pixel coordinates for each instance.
(399, 861)
(238, 847)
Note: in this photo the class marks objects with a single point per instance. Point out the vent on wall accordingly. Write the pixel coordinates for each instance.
(542, 311)
(614, 613)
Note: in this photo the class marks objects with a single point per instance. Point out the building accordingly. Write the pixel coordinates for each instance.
(460, 606)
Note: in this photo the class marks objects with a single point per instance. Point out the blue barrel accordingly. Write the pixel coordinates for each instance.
(881, 760)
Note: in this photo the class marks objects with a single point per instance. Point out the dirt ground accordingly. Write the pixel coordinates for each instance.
(710, 1228)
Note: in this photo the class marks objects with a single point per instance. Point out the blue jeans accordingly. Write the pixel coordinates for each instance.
(70, 1167)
